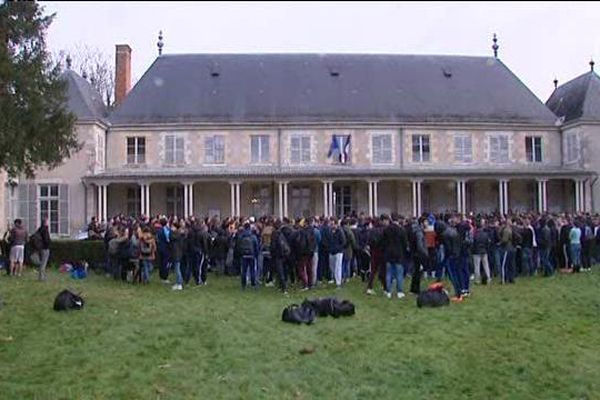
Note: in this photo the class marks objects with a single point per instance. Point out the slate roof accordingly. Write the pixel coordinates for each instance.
(305, 88)
(83, 100)
(577, 99)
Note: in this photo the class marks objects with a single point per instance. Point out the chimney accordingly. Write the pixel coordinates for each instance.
(122, 72)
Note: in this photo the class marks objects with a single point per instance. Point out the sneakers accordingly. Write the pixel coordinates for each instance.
(331, 282)
(388, 295)
(304, 289)
(165, 281)
(269, 284)
(177, 287)
(400, 295)
(370, 292)
(457, 299)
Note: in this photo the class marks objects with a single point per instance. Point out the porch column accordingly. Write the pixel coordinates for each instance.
(541, 191)
(587, 185)
(237, 199)
(280, 193)
(373, 198)
(461, 197)
(147, 201)
(580, 197)
(285, 200)
(142, 199)
(185, 201)
(99, 208)
(545, 195)
(325, 199)
(232, 187)
(331, 199)
(503, 196)
(104, 202)
(416, 187)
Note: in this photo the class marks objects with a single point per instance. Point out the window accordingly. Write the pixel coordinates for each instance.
(572, 148)
(175, 200)
(300, 149)
(174, 146)
(214, 150)
(499, 149)
(420, 147)
(49, 207)
(382, 149)
(136, 150)
(533, 148)
(463, 151)
(259, 147)
(134, 204)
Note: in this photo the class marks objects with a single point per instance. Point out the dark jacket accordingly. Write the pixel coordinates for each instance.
(545, 239)
(481, 241)
(451, 240)
(336, 241)
(395, 244)
(248, 233)
(177, 242)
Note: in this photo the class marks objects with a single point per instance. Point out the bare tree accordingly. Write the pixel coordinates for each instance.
(95, 66)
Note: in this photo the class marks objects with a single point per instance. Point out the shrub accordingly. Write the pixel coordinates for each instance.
(91, 251)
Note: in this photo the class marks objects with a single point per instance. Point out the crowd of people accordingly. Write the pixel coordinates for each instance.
(310, 251)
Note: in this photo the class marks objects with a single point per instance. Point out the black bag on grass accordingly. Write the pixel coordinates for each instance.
(67, 300)
(330, 306)
(343, 309)
(298, 314)
(434, 296)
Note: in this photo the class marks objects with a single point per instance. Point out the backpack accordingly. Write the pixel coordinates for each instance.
(145, 248)
(247, 245)
(330, 306)
(67, 300)
(36, 241)
(298, 314)
(284, 245)
(343, 309)
(434, 296)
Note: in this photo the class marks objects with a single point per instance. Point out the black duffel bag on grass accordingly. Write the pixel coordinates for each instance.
(298, 314)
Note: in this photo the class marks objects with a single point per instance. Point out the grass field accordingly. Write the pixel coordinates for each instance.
(538, 339)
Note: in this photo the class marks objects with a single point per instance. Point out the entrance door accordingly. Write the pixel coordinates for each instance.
(342, 200)
(300, 202)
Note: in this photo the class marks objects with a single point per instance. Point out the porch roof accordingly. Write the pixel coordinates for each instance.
(228, 173)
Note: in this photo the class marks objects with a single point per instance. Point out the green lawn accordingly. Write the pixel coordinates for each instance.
(538, 339)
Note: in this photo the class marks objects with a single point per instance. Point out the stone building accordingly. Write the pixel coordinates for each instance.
(327, 134)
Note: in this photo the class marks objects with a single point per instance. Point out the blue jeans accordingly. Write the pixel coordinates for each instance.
(545, 260)
(178, 276)
(248, 264)
(146, 270)
(440, 263)
(507, 266)
(464, 274)
(526, 254)
(346, 267)
(451, 264)
(394, 270)
(575, 250)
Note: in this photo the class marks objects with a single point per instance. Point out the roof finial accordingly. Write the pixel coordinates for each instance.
(69, 61)
(160, 43)
(495, 46)
(555, 82)
(592, 64)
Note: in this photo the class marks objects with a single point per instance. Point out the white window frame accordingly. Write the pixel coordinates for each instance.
(261, 157)
(572, 147)
(533, 139)
(49, 197)
(138, 156)
(498, 159)
(384, 155)
(178, 155)
(214, 149)
(461, 155)
(304, 152)
(420, 156)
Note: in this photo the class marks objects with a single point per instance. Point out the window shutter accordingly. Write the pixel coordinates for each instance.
(23, 204)
(306, 149)
(169, 150)
(63, 210)
(264, 147)
(33, 208)
(295, 149)
(209, 150)
(179, 156)
(219, 149)
(254, 148)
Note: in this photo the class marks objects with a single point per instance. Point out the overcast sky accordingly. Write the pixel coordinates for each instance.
(538, 41)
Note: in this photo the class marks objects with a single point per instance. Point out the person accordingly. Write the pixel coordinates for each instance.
(17, 239)
(304, 248)
(528, 244)
(575, 246)
(374, 243)
(419, 254)
(147, 253)
(176, 247)
(395, 247)
(94, 231)
(266, 234)
(163, 244)
(452, 251)
(336, 242)
(315, 259)
(279, 251)
(545, 245)
(41, 243)
(507, 253)
(481, 246)
(247, 245)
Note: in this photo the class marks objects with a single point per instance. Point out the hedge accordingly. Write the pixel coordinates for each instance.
(91, 251)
